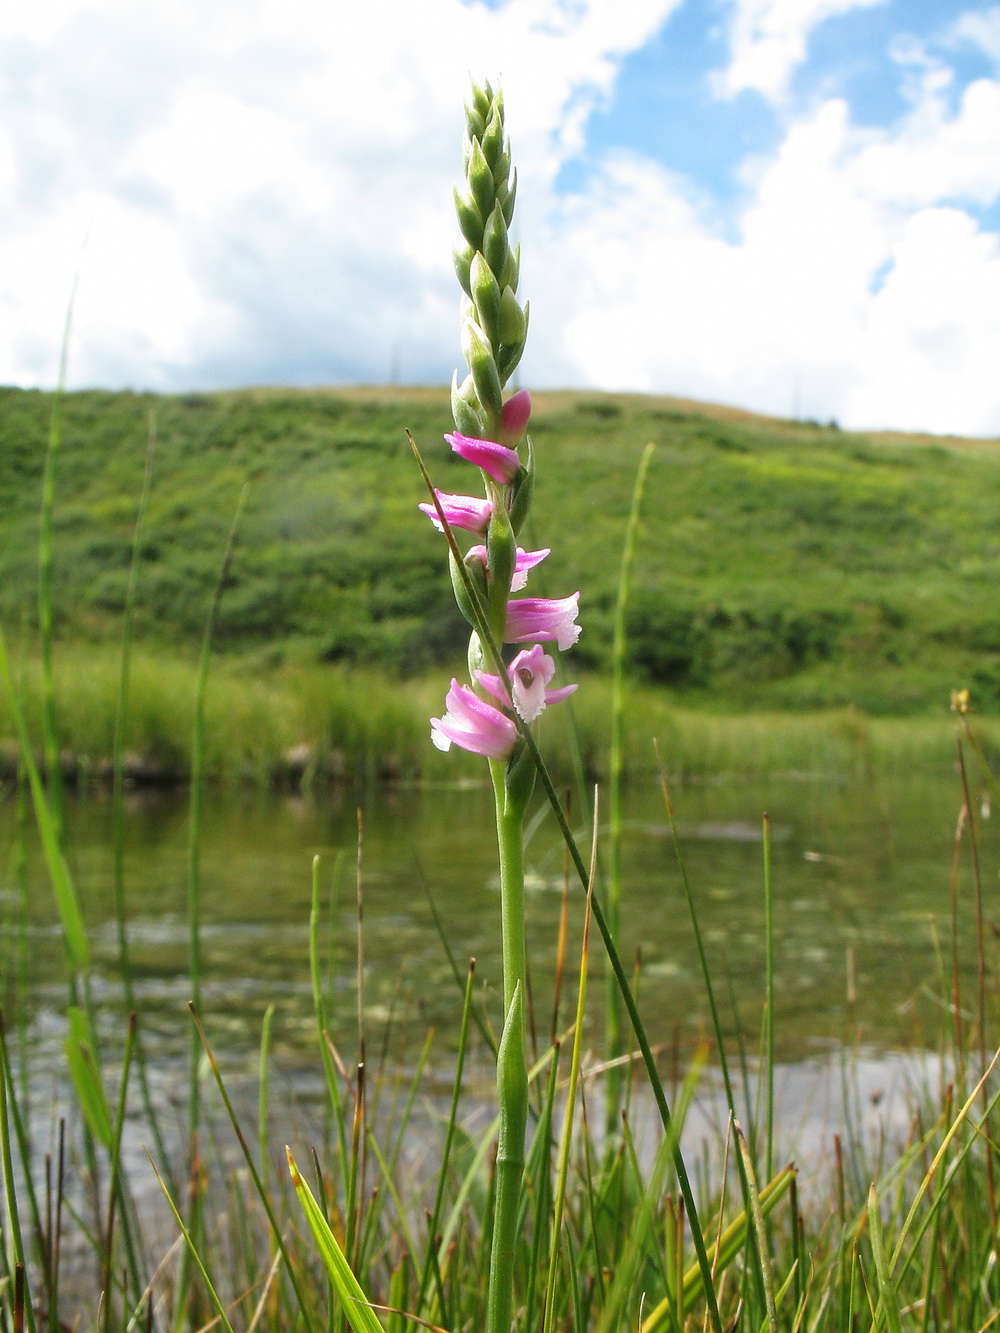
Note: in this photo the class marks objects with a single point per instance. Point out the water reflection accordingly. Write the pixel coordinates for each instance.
(860, 870)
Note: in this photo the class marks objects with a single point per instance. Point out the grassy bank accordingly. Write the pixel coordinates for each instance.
(781, 565)
(301, 722)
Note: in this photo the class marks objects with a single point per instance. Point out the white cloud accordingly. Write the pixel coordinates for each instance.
(849, 293)
(265, 187)
(285, 162)
(982, 28)
(769, 38)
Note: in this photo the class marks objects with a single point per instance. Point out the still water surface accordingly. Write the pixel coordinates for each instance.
(861, 885)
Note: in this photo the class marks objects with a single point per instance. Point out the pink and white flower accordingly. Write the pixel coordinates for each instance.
(473, 724)
(529, 674)
(543, 618)
(462, 511)
(525, 560)
(501, 463)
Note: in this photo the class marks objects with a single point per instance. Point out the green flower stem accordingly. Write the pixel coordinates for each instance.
(510, 836)
(512, 1072)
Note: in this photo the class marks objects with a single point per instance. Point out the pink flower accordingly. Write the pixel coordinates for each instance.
(514, 417)
(461, 511)
(525, 560)
(543, 618)
(474, 725)
(530, 673)
(501, 463)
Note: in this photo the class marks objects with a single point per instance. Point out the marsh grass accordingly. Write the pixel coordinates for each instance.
(309, 722)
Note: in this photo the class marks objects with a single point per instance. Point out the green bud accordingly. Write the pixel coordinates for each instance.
(513, 325)
(496, 246)
(479, 357)
(508, 203)
(465, 604)
(502, 170)
(501, 552)
(465, 409)
(492, 142)
(486, 294)
(480, 180)
(462, 258)
(512, 266)
(482, 100)
(466, 150)
(522, 489)
(475, 117)
(508, 357)
(469, 218)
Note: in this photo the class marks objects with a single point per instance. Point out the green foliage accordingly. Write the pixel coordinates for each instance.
(779, 565)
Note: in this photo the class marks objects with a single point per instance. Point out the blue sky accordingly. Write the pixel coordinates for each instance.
(789, 205)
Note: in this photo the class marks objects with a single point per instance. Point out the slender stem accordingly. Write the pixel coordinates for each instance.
(512, 1072)
(769, 1007)
(511, 846)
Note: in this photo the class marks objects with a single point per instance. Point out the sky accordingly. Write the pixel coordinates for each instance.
(791, 206)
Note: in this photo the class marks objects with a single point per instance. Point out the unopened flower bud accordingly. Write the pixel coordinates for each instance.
(485, 292)
(496, 245)
(501, 551)
(507, 200)
(481, 100)
(469, 218)
(480, 179)
(478, 575)
(509, 356)
(522, 490)
(511, 321)
(462, 257)
(512, 267)
(514, 418)
(468, 415)
(475, 118)
(479, 358)
(492, 141)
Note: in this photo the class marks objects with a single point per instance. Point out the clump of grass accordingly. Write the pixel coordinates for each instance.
(313, 722)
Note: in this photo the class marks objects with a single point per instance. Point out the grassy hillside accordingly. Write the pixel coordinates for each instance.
(780, 565)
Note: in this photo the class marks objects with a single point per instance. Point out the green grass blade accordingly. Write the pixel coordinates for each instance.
(888, 1298)
(613, 1019)
(356, 1304)
(67, 901)
(759, 1231)
(85, 1073)
(194, 1252)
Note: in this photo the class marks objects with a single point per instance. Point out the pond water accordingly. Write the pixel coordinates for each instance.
(861, 872)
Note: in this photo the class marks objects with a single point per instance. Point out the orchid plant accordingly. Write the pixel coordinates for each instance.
(484, 715)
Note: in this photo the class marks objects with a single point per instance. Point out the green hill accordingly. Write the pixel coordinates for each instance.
(780, 564)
